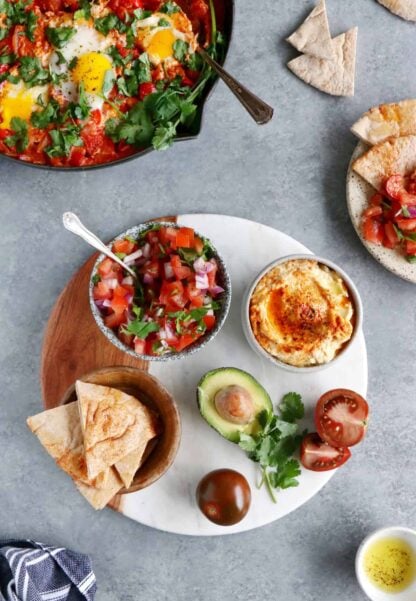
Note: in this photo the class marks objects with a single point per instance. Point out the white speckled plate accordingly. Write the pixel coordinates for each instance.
(358, 195)
(169, 504)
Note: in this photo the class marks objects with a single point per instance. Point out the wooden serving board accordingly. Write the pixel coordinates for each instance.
(73, 345)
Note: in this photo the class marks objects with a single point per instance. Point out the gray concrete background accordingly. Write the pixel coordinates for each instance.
(289, 174)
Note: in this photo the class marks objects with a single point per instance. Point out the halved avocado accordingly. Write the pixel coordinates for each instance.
(215, 380)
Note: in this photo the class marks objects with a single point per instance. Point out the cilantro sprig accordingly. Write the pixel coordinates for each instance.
(20, 137)
(275, 443)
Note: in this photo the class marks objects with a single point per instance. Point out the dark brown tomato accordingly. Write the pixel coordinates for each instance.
(341, 417)
(318, 456)
(224, 497)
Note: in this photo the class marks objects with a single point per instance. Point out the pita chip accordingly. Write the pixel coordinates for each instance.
(397, 156)
(100, 497)
(387, 121)
(128, 466)
(313, 36)
(59, 432)
(114, 424)
(334, 77)
(406, 9)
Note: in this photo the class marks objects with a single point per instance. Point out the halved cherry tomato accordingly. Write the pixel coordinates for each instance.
(373, 231)
(394, 185)
(407, 225)
(319, 456)
(341, 417)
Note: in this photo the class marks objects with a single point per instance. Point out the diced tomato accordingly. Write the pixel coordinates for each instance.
(391, 239)
(167, 236)
(394, 185)
(119, 304)
(96, 116)
(197, 302)
(22, 46)
(376, 200)
(77, 156)
(172, 293)
(125, 337)
(410, 248)
(193, 293)
(115, 320)
(184, 341)
(212, 274)
(373, 231)
(405, 198)
(106, 267)
(145, 89)
(198, 245)
(209, 321)
(140, 346)
(411, 187)
(407, 225)
(120, 292)
(185, 237)
(373, 211)
(152, 268)
(101, 291)
(123, 8)
(124, 246)
(181, 271)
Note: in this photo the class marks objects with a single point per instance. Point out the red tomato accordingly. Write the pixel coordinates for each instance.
(77, 156)
(153, 268)
(341, 417)
(376, 200)
(123, 8)
(198, 245)
(185, 237)
(181, 271)
(145, 89)
(197, 302)
(22, 46)
(405, 198)
(120, 292)
(172, 293)
(193, 294)
(184, 341)
(124, 246)
(373, 231)
(212, 275)
(410, 248)
(209, 321)
(107, 268)
(319, 456)
(373, 211)
(391, 239)
(407, 225)
(394, 185)
(101, 291)
(119, 304)
(167, 236)
(115, 320)
(140, 346)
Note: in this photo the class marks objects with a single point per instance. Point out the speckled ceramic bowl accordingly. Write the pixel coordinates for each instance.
(224, 299)
(256, 346)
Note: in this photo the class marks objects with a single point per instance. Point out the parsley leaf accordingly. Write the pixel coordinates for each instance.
(286, 476)
(141, 329)
(291, 407)
(169, 8)
(20, 137)
(59, 36)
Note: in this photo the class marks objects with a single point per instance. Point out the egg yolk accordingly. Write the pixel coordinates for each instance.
(90, 70)
(161, 44)
(20, 105)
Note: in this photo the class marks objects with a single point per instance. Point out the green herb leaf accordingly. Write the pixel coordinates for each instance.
(81, 109)
(50, 114)
(164, 136)
(141, 329)
(405, 211)
(169, 8)
(180, 50)
(141, 14)
(59, 36)
(411, 258)
(63, 140)
(20, 137)
(286, 476)
(32, 72)
(108, 83)
(291, 407)
(105, 24)
(163, 23)
(73, 63)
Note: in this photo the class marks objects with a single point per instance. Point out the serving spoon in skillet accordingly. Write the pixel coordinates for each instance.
(73, 224)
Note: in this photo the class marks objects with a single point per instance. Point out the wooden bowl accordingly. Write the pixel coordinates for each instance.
(160, 453)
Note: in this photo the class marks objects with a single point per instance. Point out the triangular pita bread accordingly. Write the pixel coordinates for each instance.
(313, 36)
(333, 77)
(99, 497)
(128, 466)
(59, 431)
(397, 156)
(403, 8)
(387, 121)
(114, 424)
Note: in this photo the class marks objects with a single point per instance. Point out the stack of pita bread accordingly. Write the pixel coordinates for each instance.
(406, 9)
(327, 64)
(99, 440)
(390, 130)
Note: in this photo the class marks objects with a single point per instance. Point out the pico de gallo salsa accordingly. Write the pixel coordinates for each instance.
(390, 218)
(86, 82)
(176, 297)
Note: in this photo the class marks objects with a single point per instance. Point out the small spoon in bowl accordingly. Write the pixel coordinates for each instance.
(73, 224)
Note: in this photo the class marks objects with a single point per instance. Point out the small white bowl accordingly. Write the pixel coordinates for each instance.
(256, 346)
(372, 592)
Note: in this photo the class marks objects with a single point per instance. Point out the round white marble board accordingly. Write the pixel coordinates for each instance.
(359, 193)
(170, 504)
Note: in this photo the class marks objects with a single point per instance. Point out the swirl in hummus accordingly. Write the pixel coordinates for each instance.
(301, 313)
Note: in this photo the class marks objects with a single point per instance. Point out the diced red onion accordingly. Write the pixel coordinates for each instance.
(107, 302)
(131, 258)
(412, 211)
(162, 334)
(210, 312)
(99, 304)
(164, 343)
(146, 250)
(169, 273)
(159, 312)
(202, 266)
(129, 298)
(215, 290)
(147, 278)
(201, 281)
(169, 331)
(128, 280)
(111, 283)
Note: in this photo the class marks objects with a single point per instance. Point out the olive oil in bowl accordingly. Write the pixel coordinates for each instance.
(390, 564)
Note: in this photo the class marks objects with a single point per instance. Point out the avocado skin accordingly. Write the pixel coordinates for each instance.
(216, 379)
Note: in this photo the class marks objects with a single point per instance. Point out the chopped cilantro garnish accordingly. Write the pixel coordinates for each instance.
(105, 24)
(170, 8)
(20, 137)
(50, 114)
(163, 23)
(108, 83)
(141, 329)
(59, 36)
(180, 50)
(32, 72)
(63, 140)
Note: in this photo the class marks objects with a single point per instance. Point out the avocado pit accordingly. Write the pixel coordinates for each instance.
(235, 404)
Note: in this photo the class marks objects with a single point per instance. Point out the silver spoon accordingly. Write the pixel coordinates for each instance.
(258, 109)
(73, 224)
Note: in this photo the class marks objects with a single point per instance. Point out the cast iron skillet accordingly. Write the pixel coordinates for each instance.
(224, 10)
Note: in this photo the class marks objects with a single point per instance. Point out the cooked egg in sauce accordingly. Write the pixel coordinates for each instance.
(18, 100)
(157, 35)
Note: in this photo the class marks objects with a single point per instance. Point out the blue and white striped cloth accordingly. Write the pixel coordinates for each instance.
(31, 571)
